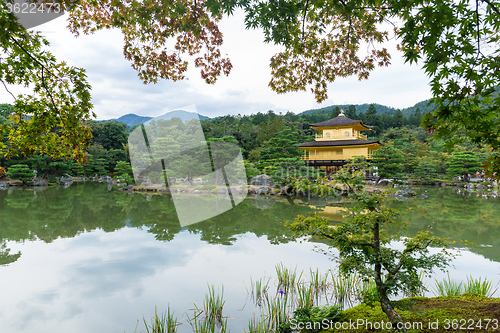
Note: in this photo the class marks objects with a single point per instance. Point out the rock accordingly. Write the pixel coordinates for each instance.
(424, 196)
(263, 190)
(130, 188)
(480, 187)
(384, 182)
(406, 193)
(146, 181)
(196, 192)
(262, 180)
(3, 184)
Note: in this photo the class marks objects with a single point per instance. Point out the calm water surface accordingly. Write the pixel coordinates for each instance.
(85, 259)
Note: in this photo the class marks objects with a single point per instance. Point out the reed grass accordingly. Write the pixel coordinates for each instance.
(319, 282)
(276, 312)
(209, 319)
(257, 325)
(287, 278)
(480, 287)
(345, 288)
(259, 290)
(166, 323)
(214, 304)
(306, 295)
(448, 287)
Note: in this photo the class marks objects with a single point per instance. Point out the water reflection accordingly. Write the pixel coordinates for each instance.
(55, 212)
(95, 260)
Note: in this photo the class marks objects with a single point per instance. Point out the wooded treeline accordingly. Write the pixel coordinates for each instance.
(267, 141)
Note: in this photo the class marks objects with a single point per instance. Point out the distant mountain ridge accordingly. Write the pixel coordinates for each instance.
(362, 108)
(132, 119)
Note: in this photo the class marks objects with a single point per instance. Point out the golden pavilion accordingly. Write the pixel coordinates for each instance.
(340, 139)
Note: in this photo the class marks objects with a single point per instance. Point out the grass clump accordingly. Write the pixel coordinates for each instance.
(449, 287)
(165, 323)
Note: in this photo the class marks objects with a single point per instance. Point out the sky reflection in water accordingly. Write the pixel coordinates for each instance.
(82, 270)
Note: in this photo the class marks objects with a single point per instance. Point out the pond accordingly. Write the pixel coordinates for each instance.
(85, 259)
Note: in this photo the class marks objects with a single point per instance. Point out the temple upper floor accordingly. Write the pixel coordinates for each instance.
(340, 128)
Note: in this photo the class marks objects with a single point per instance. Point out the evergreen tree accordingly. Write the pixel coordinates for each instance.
(389, 162)
(398, 119)
(351, 112)
(335, 112)
(426, 170)
(463, 163)
(20, 171)
(281, 146)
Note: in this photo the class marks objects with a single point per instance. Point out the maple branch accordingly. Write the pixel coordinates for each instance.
(5, 86)
(54, 108)
(405, 252)
(477, 30)
(492, 6)
(304, 18)
(29, 54)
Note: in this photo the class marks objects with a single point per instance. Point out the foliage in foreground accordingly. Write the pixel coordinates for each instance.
(363, 242)
(426, 315)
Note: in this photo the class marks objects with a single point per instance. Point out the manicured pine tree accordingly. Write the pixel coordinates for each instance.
(463, 163)
(389, 162)
(21, 172)
(426, 170)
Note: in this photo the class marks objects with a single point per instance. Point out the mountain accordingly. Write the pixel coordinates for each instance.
(183, 115)
(362, 108)
(132, 119)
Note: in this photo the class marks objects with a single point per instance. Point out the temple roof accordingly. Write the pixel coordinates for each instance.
(332, 143)
(340, 120)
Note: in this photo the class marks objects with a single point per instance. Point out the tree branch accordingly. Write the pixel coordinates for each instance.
(405, 252)
(5, 86)
(492, 6)
(304, 18)
(54, 108)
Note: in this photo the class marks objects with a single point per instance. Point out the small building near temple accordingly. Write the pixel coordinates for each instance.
(341, 139)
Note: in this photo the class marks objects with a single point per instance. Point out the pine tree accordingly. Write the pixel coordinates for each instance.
(463, 163)
(335, 112)
(21, 172)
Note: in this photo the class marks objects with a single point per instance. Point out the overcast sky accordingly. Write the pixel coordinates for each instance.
(117, 90)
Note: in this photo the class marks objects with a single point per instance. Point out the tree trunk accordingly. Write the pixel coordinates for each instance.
(381, 289)
(466, 178)
(385, 303)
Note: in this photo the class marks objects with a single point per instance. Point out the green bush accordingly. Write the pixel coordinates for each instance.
(311, 320)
